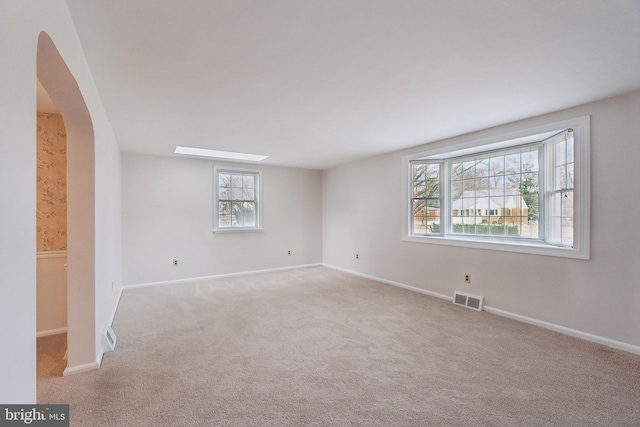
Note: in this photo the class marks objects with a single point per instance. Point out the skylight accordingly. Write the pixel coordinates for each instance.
(217, 154)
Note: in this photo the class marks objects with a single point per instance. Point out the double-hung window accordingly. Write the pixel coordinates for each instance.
(237, 205)
(527, 192)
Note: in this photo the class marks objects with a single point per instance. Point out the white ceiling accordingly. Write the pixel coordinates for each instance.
(316, 84)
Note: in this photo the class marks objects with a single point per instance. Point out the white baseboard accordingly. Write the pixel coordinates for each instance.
(48, 332)
(564, 330)
(114, 310)
(390, 282)
(219, 276)
(81, 369)
(99, 357)
(540, 323)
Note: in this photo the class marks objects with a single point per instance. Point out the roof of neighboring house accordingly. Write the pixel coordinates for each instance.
(488, 199)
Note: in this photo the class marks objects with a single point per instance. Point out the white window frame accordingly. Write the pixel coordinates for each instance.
(581, 233)
(257, 198)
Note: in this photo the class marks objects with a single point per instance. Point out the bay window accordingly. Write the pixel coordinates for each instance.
(527, 192)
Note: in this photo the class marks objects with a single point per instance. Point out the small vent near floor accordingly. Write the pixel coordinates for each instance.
(109, 338)
(469, 301)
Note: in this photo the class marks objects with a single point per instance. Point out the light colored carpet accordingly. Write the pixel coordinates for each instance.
(50, 356)
(317, 347)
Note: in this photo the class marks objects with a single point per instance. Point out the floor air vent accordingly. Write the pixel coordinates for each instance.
(469, 301)
(109, 338)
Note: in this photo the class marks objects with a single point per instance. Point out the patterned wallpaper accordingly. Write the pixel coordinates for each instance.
(51, 206)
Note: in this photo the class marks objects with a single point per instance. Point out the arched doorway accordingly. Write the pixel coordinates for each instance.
(51, 238)
(63, 89)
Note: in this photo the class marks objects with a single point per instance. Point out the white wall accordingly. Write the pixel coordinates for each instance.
(108, 228)
(167, 214)
(21, 23)
(362, 213)
(51, 292)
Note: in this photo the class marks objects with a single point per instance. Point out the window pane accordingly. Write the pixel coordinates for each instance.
(248, 181)
(456, 170)
(426, 216)
(245, 214)
(555, 207)
(432, 188)
(482, 167)
(529, 229)
(496, 165)
(561, 211)
(512, 185)
(512, 162)
(497, 185)
(567, 218)
(236, 180)
(225, 220)
(496, 228)
(225, 217)
(418, 179)
(248, 194)
(426, 180)
(224, 180)
(482, 207)
(530, 195)
(236, 193)
(468, 169)
(224, 193)
(530, 160)
(482, 183)
(236, 207)
(490, 195)
(570, 175)
(224, 183)
(224, 208)
(433, 221)
(469, 227)
(570, 154)
(419, 223)
(560, 177)
(561, 152)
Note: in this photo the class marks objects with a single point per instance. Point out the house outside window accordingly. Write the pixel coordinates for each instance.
(527, 193)
(237, 204)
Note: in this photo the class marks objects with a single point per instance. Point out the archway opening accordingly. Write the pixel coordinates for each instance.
(51, 238)
(63, 89)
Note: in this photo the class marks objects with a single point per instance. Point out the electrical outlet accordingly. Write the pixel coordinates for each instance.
(467, 278)
(357, 256)
(289, 252)
(175, 262)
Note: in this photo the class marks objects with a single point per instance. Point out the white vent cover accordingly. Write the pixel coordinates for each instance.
(109, 338)
(467, 300)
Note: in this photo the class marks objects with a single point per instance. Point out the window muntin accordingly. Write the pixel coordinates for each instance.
(561, 183)
(237, 200)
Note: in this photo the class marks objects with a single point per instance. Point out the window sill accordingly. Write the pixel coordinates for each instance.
(532, 248)
(236, 230)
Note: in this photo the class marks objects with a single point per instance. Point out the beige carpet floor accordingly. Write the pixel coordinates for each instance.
(317, 347)
(50, 356)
